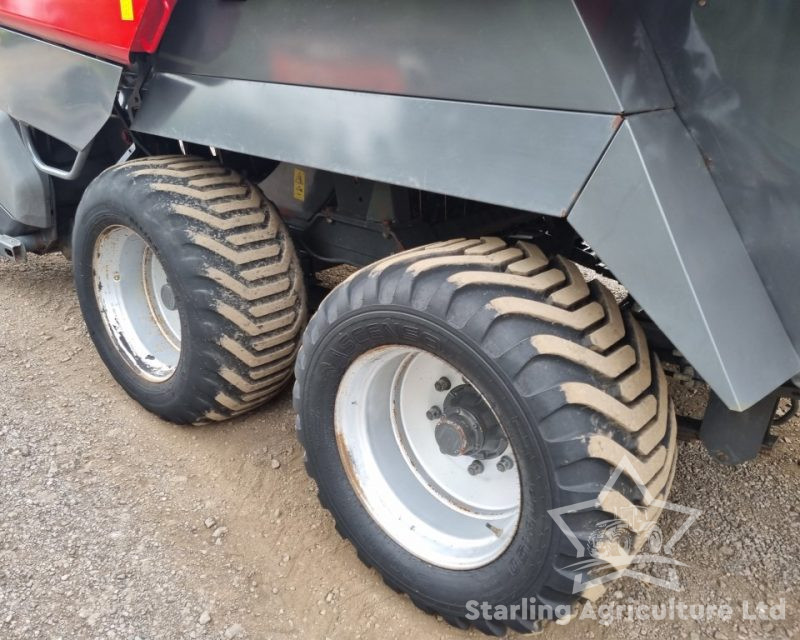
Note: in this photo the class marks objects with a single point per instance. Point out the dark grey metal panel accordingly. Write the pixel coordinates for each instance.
(515, 52)
(24, 192)
(653, 213)
(528, 159)
(733, 68)
(63, 93)
(624, 49)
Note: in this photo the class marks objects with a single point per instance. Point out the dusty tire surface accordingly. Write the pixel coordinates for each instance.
(571, 379)
(235, 275)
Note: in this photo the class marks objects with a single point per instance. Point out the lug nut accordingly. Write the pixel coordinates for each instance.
(442, 384)
(475, 468)
(505, 463)
(434, 413)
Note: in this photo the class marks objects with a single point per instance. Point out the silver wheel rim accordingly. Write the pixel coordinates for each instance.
(137, 303)
(423, 499)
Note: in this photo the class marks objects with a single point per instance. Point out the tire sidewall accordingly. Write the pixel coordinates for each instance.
(523, 567)
(96, 214)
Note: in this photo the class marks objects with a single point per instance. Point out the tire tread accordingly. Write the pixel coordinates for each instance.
(618, 386)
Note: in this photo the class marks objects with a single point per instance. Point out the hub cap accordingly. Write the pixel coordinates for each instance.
(137, 303)
(419, 488)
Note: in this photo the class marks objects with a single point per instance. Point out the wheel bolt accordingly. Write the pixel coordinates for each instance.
(442, 384)
(434, 413)
(475, 468)
(505, 463)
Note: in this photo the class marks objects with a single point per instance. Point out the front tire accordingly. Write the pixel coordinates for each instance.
(569, 379)
(190, 287)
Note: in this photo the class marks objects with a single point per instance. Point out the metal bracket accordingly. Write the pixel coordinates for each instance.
(71, 174)
(12, 249)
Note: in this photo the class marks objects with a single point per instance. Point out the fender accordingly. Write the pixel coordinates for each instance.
(652, 212)
(66, 94)
(482, 152)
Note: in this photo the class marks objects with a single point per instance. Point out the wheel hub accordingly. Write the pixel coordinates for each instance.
(413, 464)
(468, 426)
(137, 303)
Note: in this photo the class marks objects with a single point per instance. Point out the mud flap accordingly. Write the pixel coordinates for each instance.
(733, 437)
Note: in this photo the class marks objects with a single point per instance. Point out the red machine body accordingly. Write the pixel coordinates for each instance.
(111, 29)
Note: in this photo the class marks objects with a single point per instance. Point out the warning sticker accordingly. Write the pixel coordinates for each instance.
(299, 191)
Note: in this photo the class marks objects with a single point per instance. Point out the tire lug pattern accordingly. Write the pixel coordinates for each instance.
(251, 276)
(609, 380)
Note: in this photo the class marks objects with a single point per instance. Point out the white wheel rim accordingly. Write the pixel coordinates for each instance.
(137, 303)
(423, 499)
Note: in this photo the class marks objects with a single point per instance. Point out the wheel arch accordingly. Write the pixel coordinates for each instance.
(66, 94)
(442, 146)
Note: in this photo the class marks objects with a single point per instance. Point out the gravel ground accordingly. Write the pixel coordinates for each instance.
(114, 524)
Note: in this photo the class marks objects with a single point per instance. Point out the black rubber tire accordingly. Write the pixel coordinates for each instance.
(571, 379)
(235, 275)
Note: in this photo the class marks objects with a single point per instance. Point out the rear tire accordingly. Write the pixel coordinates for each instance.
(570, 379)
(232, 278)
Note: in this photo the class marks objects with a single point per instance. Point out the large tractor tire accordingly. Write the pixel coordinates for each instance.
(455, 398)
(190, 287)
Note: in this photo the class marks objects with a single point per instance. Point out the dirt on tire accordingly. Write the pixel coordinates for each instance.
(114, 523)
(234, 272)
